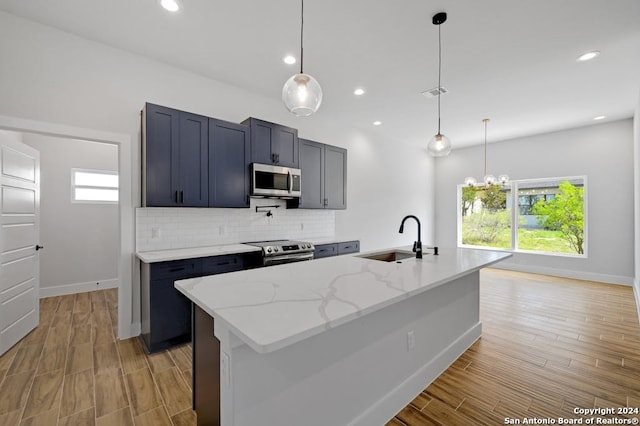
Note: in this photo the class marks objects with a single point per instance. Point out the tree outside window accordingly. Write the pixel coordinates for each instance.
(486, 219)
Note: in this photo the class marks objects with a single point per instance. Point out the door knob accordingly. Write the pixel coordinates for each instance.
(39, 247)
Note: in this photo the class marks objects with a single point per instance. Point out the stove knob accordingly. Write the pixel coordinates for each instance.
(275, 249)
(269, 250)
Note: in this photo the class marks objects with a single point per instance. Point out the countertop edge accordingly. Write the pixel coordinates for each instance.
(305, 334)
(193, 252)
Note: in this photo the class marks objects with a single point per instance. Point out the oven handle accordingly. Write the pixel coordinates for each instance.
(287, 258)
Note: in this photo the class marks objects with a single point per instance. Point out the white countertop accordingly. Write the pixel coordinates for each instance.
(270, 308)
(193, 252)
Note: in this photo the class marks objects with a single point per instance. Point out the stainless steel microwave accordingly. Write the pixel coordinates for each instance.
(275, 181)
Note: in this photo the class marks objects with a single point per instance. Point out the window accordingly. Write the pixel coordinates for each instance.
(486, 216)
(94, 186)
(549, 213)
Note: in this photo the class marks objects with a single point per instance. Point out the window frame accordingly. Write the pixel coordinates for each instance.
(515, 213)
(74, 186)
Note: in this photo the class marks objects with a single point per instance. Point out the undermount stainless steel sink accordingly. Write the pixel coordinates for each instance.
(389, 256)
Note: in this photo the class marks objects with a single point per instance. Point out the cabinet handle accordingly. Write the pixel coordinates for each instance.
(176, 197)
(177, 269)
(181, 197)
(325, 202)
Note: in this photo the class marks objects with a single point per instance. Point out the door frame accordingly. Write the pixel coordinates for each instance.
(126, 326)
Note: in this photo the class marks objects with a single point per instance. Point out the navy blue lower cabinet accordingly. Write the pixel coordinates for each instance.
(336, 249)
(325, 250)
(348, 247)
(165, 312)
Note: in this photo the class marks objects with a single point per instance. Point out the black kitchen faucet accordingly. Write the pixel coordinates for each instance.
(417, 245)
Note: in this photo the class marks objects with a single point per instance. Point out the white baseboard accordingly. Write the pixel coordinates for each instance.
(387, 407)
(61, 290)
(132, 330)
(566, 273)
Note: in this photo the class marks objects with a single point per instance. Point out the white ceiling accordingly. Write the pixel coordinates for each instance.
(511, 61)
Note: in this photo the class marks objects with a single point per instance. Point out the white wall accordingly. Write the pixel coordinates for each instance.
(81, 240)
(51, 76)
(604, 153)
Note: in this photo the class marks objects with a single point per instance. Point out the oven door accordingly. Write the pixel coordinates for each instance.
(274, 181)
(286, 258)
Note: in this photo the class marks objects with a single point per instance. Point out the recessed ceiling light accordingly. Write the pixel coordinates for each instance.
(170, 5)
(289, 60)
(377, 123)
(600, 117)
(587, 56)
(359, 91)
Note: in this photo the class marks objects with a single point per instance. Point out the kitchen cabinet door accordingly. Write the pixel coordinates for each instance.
(273, 143)
(324, 176)
(325, 250)
(160, 131)
(165, 312)
(175, 161)
(312, 179)
(335, 177)
(347, 247)
(229, 161)
(231, 262)
(193, 160)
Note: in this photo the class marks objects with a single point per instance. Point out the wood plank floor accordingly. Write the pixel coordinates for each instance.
(72, 370)
(549, 345)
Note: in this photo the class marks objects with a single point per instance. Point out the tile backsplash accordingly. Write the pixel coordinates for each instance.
(160, 228)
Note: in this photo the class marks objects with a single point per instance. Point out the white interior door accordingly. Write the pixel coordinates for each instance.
(19, 236)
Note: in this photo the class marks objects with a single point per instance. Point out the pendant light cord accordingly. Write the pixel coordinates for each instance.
(301, 35)
(486, 120)
(439, 71)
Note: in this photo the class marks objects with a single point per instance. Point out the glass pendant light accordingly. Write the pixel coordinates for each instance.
(488, 179)
(439, 145)
(302, 94)
(470, 181)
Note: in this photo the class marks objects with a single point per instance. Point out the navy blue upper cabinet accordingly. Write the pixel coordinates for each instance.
(312, 182)
(324, 176)
(273, 143)
(335, 177)
(175, 158)
(229, 160)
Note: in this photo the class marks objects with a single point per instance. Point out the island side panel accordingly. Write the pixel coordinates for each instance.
(361, 372)
(206, 368)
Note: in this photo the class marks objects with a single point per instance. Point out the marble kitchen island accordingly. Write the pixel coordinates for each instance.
(336, 341)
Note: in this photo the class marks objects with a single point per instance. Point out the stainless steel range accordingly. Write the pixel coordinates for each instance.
(284, 251)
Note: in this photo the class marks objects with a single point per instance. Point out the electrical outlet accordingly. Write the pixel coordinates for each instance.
(411, 341)
(222, 229)
(155, 232)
